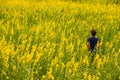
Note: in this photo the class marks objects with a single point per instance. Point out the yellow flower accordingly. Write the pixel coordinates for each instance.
(97, 78)
(38, 56)
(3, 72)
(111, 45)
(104, 59)
(49, 74)
(32, 75)
(57, 66)
(54, 61)
(6, 65)
(119, 77)
(61, 54)
(76, 65)
(14, 68)
(93, 77)
(43, 77)
(119, 51)
(69, 71)
(85, 60)
(99, 63)
(12, 31)
(33, 48)
(85, 75)
(7, 77)
(97, 57)
(89, 77)
(63, 66)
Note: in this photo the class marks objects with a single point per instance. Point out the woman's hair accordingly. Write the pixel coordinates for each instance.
(93, 32)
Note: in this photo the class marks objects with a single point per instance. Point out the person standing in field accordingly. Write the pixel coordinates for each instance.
(93, 43)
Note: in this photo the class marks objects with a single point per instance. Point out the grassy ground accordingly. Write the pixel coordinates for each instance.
(46, 40)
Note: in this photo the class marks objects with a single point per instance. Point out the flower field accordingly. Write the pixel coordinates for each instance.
(46, 40)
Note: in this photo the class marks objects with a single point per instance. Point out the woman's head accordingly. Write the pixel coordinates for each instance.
(93, 32)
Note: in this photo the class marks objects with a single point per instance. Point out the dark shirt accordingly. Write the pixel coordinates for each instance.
(93, 41)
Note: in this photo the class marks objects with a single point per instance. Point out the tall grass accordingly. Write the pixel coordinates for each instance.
(96, 1)
(46, 40)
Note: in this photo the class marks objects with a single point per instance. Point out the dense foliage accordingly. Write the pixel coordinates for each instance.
(46, 40)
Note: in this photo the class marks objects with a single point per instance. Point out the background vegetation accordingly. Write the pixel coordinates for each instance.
(46, 40)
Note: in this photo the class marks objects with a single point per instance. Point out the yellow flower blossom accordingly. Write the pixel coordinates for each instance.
(76, 65)
(14, 68)
(89, 77)
(38, 56)
(99, 63)
(85, 75)
(49, 74)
